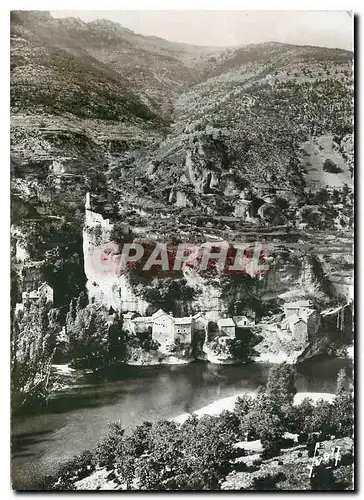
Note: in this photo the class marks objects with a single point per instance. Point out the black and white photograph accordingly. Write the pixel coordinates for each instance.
(182, 250)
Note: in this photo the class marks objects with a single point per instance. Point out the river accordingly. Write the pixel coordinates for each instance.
(77, 419)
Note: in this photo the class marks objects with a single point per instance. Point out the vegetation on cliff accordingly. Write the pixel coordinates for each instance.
(33, 341)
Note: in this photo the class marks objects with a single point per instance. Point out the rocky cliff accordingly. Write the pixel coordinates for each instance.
(105, 285)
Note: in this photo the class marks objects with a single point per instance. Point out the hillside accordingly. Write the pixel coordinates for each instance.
(178, 142)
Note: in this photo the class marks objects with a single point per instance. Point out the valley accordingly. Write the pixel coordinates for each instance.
(182, 261)
(181, 144)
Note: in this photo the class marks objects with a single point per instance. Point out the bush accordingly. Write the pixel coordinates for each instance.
(331, 167)
(323, 420)
(243, 405)
(109, 450)
(74, 470)
(93, 342)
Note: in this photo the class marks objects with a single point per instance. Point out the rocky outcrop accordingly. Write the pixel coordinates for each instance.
(105, 284)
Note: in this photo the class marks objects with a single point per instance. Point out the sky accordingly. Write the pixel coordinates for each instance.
(227, 28)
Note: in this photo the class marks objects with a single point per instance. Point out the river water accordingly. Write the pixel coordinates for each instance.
(77, 419)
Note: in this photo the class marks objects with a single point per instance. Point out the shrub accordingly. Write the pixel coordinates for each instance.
(331, 167)
(74, 470)
(243, 405)
(111, 447)
(322, 420)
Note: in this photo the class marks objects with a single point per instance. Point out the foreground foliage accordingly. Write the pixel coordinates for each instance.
(200, 453)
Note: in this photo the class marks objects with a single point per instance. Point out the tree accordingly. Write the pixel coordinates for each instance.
(271, 430)
(164, 293)
(343, 412)
(15, 286)
(116, 340)
(94, 342)
(265, 422)
(110, 449)
(161, 457)
(58, 243)
(88, 334)
(280, 385)
(268, 417)
(208, 448)
(300, 416)
(243, 406)
(331, 167)
(342, 381)
(165, 456)
(82, 301)
(32, 346)
(322, 420)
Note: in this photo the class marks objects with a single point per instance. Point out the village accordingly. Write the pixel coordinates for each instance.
(298, 320)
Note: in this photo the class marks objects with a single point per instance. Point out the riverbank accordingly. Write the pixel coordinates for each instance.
(248, 465)
(75, 419)
(228, 404)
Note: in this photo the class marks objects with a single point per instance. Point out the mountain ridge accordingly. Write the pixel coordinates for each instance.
(175, 140)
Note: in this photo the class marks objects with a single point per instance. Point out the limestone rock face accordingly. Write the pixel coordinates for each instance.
(182, 199)
(208, 298)
(105, 284)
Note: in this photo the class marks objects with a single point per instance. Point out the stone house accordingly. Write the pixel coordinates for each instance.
(297, 326)
(200, 323)
(163, 328)
(127, 321)
(313, 320)
(298, 307)
(44, 290)
(243, 322)
(226, 327)
(304, 326)
(141, 324)
(183, 329)
(199, 330)
(30, 274)
(167, 329)
(228, 184)
(243, 209)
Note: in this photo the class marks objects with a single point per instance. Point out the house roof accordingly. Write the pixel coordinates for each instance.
(225, 322)
(33, 294)
(239, 319)
(328, 312)
(142, 319)
(160, 312)
(44, 285)
(34, 263)
(294, 319)
(200, 316)
(128, 315)
(297, 304)
(183, 321)
(309, 312)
